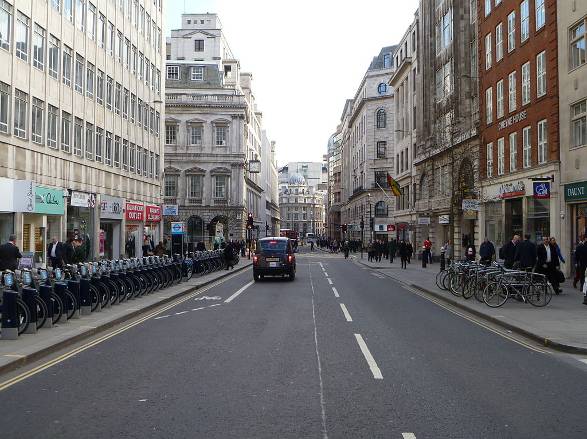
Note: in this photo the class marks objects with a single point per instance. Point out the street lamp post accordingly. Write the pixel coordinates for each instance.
(362, 234)
(370, 219)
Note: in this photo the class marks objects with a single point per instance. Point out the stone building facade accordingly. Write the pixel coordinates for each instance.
(303, 207)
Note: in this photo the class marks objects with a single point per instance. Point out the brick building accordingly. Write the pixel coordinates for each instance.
(519, 118)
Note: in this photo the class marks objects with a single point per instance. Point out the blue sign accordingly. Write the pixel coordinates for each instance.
(541, 189)
(177, 228)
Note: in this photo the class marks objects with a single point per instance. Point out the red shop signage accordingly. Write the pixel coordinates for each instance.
(153, 214)
(134, 212)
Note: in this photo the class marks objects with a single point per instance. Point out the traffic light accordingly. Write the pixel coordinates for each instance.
(372, 223)
(250, 221)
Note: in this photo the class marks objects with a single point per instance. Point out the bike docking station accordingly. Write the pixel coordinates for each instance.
(86, 300)
(9, 315)
(29, 297)
(73, 287)
(45, 293)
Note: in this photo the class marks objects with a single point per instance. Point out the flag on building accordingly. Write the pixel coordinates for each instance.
(394, 186)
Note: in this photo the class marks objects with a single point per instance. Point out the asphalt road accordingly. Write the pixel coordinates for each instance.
(280, 359)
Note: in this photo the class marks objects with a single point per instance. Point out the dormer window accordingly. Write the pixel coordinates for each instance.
(382, 88)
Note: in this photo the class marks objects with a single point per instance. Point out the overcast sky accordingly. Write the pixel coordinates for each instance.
(307, 57)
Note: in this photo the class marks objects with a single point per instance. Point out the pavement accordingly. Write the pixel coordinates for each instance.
(341, 352)
(31, 347)
(562, 324)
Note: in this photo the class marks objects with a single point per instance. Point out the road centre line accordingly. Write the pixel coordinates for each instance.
(161, 317)
(181, 312)
(329, 280)
(325, 274)
(239, 292)
(408, 435)
(370, 360)
(335, 291)
(345, 311)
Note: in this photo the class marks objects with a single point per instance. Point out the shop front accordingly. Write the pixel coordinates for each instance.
(80, 225)
(111, 215)
(134, 214)
(17, 197)
(46, 222)
(153, 223)
(576, 214)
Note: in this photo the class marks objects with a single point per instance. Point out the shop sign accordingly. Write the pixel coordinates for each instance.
(153, 214)
(178, 228)
(576, 191)
(469, 214)
(471, 205)
(424, 220)
(513, 120)
(49, 201)
(444, 219)
(170, 210)
(382, 228)
(82, 199)
(111, 207)
(391, 228)
(27, 260)
(541, 189)
(135, 212)
(512, 190)
(24, 196)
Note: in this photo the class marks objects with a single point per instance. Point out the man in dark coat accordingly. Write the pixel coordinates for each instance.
(508, 252)
(404, 252)
(9, 255)
(486, 251)
(526, 254)
(392, 248)
(55, 253)
(548, 263)
(581, 262)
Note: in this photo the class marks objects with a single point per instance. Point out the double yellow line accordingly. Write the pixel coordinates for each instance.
(11, 382)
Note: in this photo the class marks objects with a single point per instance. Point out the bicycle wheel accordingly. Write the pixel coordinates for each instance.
(470, 287)
(23, 315)
(94, 298)
(440, 279)
(57, 308)
(42, 312)
(71, 304)
(457, 284)
(539, 295)
(481, 284)
(495, 294)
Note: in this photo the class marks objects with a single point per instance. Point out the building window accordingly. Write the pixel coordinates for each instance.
(578, 124)
(381, 150)
(21, 36)
(195, 189)
(139, 160)
(525, 21)
(132, 157)
(89, 141)
(526, 83)
(512, 31)
(91, 21)
(37, 128)
(109, 92)
(4, 107)
(500, 156)
(487, 7)
(489, 105)
(125, 103)
(381, 118)
(512, 92)
(540, 14)
(67, 60)
(90, 74)
(110, 39)
(488, 56)
(446, 32)
(541, 74)
(171, 134)
(513, 151)
(473, 9)
(5, 24)
(20, 113)
(499, 42)
(499, 99)
(221, 135)
(220, 187)
(52, 126)
(117, 97)
(171, 186)
(125, 155)
(54, 45)
(79, 73)
(195, 134)
(382, 88)
(80, 14)
(99, 140)
(65, 132)
(542, 142)
(39, 47)
(78, 136)
(387, 61)
(108, 149)
(578, 39)
(198, 45)
(380, 209)
(489, 160)
(172, 72)
(197, 73)
(68, 9)
(116, 155)
(101, 29)
(526, 147)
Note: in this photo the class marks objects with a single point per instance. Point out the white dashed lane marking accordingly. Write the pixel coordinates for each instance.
(335, 291)
(408, 435)
(239, 292)
(345, 311)
(329, 280)
(370, 360)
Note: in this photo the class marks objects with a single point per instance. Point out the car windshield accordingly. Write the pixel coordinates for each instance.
(273, 246)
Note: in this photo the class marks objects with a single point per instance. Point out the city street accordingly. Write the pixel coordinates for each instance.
(341, 352)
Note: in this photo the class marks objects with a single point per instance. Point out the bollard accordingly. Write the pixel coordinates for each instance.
(85, 298)
(73, 287)
(9, 315)
(28, 297)
(45, 293)
(424, 258)
(442, 261)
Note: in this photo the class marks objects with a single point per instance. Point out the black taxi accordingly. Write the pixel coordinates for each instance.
(274, 257)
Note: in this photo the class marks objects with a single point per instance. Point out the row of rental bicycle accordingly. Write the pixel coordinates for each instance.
(44, 297)
(493, 284)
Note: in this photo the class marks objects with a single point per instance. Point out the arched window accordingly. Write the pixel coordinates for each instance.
(382, 88)
(381, 118)
(380, 209)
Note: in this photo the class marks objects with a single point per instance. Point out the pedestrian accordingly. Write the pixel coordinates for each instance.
(69, 254)
(404, 254)
(311, 246)
(548, 263)
(9, 254)
(410, 251)
(229, 256)
(345, 248)
(508, 252)
(557, 248)
(581, 263)
(526, 254)
(55, 252)
(392, 250)
(160, 250)
(129, 247)
(486, 251)
(427, 250)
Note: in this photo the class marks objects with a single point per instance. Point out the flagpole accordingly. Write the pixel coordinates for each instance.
(384, 193)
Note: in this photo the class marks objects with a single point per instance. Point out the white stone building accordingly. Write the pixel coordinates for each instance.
(213, 135)
(315, 173)
(80, 112)
(303, 207)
